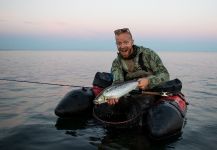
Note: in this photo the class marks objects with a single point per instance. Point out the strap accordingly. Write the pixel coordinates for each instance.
(124, 72)
(141, 62)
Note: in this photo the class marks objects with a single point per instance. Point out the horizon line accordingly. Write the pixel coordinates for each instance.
(102, 50)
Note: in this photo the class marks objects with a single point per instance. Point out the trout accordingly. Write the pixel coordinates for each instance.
(115, 91)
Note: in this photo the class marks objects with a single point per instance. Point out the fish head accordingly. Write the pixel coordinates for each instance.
(99, 100)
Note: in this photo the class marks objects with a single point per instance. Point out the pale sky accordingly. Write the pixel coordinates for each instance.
(89, 24)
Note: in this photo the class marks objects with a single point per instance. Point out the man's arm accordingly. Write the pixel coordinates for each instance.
(160, 73)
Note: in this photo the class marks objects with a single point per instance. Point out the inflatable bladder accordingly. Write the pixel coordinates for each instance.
(75, 102)
(166, 118)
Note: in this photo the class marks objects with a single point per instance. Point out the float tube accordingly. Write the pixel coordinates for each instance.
(163, 118)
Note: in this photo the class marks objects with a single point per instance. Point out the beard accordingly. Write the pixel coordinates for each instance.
(125, 52)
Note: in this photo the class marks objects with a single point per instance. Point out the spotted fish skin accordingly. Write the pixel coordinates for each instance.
(116, 91)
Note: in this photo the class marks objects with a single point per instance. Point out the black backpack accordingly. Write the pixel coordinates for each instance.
(172, 86)
(103, 79)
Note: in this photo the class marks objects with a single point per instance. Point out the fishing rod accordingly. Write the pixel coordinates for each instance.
(156, 93)
(46, 83)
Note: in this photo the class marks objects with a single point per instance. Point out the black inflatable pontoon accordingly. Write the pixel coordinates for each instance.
(75, 102)
(163, 117)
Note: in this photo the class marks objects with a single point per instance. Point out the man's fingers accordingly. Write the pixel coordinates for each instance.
(112, 101)
(139, 82)
(109, 101)
(141, 87)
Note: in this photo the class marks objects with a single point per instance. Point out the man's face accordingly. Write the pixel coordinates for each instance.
(124, 44)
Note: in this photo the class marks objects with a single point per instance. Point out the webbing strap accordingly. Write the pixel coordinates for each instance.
(141, 62)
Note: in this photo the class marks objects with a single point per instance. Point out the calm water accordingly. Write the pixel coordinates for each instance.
(27, 119)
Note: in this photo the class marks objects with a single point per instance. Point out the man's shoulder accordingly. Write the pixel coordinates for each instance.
(116, 60)
(144, 50)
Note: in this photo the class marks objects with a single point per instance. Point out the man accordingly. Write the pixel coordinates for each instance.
(136, 62)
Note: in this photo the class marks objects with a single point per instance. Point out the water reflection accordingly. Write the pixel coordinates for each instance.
(73, 123)
(105, 138)
(134, 139)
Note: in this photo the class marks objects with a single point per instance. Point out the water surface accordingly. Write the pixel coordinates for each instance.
(27, 119)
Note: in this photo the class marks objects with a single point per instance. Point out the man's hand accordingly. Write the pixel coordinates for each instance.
(112, 101)
(143, 83)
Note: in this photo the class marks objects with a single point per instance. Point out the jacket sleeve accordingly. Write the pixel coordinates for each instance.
(160, 73)
(117, 72)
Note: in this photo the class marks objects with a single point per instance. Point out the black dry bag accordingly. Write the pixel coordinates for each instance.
(102, 79)
(172, 86)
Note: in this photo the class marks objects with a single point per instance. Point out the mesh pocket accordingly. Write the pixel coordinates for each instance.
(125, 114)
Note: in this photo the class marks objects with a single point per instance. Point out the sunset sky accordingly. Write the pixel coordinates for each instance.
(188, 25)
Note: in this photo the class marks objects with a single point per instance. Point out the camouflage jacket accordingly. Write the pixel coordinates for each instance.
(129, 69)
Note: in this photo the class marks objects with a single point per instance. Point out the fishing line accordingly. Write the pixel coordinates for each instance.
(46, 83)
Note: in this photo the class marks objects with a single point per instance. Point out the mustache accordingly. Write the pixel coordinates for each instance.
(123, 49)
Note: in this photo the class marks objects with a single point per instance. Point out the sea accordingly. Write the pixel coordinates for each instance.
(28, 122)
